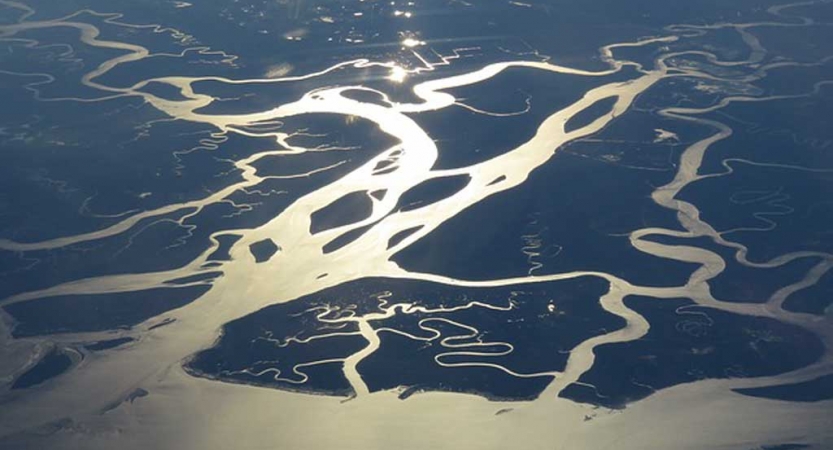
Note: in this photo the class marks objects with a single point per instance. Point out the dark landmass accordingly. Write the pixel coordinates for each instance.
(815, 390)
(264, 250)
(544, 323)
(687, 343)
(579, 226)
(107, 345)
(431, 191)
(743, 284)
(196, 278)
(50, 366)
(79, 313)
(351, 208)
(816, 299)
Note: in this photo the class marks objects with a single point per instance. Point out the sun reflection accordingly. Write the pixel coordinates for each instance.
(397, 74)
(411, 42)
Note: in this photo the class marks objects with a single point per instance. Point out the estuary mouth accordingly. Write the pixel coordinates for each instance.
(414, 225)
